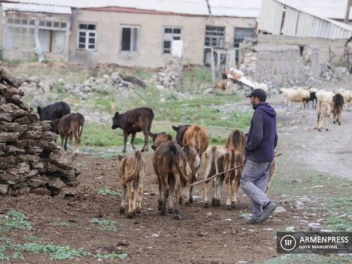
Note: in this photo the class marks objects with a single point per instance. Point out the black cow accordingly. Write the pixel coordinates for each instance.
(180, 131)
(53, 111)
(133, 121)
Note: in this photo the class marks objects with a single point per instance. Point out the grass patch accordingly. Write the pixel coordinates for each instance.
(100, 135)
(105, 225)
(296, 181)
(109, 192)
(14, 220)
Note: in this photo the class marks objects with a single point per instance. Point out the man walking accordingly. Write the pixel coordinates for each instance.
(261, 142)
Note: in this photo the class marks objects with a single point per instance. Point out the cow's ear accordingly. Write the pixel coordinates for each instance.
(151, 134)
(154, 147)
(175, 128)
(120, 157)
(38, 109)
(117, 114)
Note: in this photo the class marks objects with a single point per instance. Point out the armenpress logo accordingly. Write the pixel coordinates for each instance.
(288, 243)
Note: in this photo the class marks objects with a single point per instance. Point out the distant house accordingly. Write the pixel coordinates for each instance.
(147, 32)
(128, 33)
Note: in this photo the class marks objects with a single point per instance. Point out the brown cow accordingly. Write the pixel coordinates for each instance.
(133, 121)
(173, 172)
(237, 140)
(197, 137)
(132, 171)
(68, 126)
(159, 138)
(217, 159)
(337, 105)
(191, 155)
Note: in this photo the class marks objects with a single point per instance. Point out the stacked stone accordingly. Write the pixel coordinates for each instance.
(29, 158)
(172, 76)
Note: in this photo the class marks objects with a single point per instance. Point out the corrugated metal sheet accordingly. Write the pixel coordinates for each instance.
(298, 23)
(334, 9)
(36, 8)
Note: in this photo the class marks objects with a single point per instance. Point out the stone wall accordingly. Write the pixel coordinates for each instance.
(30, 160)
(281, 65)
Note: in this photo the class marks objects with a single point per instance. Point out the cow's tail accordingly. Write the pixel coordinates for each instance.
(149, 127)
(81, 124)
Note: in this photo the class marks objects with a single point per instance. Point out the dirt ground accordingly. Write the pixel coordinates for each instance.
(204, 235)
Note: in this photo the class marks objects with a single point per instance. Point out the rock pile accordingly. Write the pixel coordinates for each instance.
(171, 77)
(30, 160)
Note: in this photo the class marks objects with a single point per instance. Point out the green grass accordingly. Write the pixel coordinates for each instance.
(104, 225)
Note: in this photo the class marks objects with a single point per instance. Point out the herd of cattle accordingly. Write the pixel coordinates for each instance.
(325, 102)
(176, 162)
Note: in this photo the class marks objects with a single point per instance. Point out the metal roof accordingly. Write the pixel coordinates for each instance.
(282, 19)
(36, 8)
(334, 9)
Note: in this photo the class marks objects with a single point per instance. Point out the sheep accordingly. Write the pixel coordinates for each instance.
(312, 97)
(323, 96)
(298, 95)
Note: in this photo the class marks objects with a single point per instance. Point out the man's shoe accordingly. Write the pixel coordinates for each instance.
(267, 211)
(253, 220)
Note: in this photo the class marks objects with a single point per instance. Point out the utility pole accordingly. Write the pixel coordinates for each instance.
(347, 14)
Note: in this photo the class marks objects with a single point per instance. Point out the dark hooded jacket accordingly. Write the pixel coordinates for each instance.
(262, 136)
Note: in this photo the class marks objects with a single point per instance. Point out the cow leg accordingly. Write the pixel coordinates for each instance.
(123, 198)
(131, 200)
(77, 141)
(146, 138)
(177, 193)
(165, 189)
(235, 186)
(172, 196)
(160, 201)
(132, 140)
(125, 136)
(66, 143)
(206, 193)
(139, 198)
(228, 185)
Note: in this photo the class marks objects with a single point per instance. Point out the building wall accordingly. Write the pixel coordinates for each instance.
(150, 39)
(31, 53)
(331, 51)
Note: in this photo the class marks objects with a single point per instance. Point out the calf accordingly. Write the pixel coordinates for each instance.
(173, 172)
(180, 132)
(197, 137)
(217, 159)
(237, 140)
(53, 111)
(133, 121)
(159, 138)
(132, 171)
(337, 105)
(68, 126)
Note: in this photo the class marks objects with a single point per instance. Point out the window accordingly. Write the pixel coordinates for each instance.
(170, 34)
(240, 35)
(87, 37)
(20, 34)
(129, 40)
(214, 37)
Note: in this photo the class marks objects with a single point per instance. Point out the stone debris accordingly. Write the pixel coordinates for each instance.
(30, 161)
